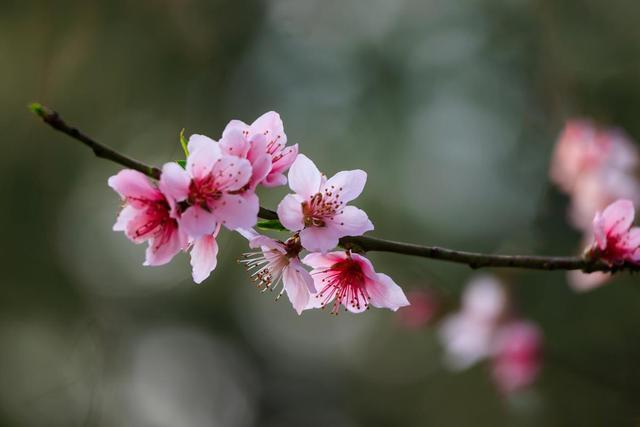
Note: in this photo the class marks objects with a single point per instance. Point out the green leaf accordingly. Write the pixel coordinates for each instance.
(184, 142)
(270, 224)
(37, 109)
(182, 163)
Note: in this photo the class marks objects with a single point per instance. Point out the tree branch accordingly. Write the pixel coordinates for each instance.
(361, 243)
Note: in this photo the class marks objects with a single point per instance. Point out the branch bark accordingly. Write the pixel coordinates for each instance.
(362, 243)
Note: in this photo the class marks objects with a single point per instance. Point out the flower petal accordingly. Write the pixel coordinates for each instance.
(234, 143)
(319, 239)
(124, 217)
(174, 181)
(133, 184)
(270, 125)
(202, 159)
(347, 184)
(198, 141)
(231, 173)
(618, 217)
(304, 177)
(204, 257)
(298, 283)
(290, 212)
(237, 210)
(198, 222)
(351, 222)
(386, 293)
(319, 260)
(164, 247)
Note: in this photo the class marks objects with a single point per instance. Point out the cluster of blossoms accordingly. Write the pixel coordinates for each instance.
(216, 187)
(594, 167)
(486, 328)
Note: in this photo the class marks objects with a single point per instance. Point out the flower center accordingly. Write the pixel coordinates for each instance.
(344, 282)
(202, 191)
(320, 207)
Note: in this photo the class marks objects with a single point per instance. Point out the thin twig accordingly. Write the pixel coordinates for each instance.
(362, 243)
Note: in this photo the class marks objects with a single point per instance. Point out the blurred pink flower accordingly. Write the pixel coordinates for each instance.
(615, 240)
(318, 208)
(423, 309)
(204, 256)
(468, 335)
(349, 279)
(517, 357)
(211, 189)
(278, 261)
(146, 216)
(267, 131)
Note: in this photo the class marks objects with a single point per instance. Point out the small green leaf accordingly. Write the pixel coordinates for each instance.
(270, 224)
(182, 163)
(184, 142)
(37, 109)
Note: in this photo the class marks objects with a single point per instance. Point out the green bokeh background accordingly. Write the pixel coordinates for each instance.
(451, 106)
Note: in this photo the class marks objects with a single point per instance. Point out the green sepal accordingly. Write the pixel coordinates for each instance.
(270, 224)
(184, 143)
(182, 163)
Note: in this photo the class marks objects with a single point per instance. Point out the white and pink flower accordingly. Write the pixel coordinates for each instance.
(264, 138)
(468, 334)
(277, 262)
(616, 242)
(211, 190)
(348, 279)
(318, 210)
(517, 358)
(147, 216)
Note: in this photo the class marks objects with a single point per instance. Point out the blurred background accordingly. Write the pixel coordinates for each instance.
(452, 107)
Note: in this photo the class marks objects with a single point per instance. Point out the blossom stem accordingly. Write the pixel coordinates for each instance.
(361, 243)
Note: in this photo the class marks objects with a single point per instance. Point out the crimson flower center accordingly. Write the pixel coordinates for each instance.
(344, 281)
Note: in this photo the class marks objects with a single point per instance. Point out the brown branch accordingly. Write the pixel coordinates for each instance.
(362, 243)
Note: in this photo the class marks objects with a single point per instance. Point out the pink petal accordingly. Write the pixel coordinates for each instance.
(133, 184)
(583, 282)
(260, 160)
(319, 239)
(386, 293)
(287, 157)
(204, 257)
(365, 265)
(247, 233)
(599, 231)
(297, 283)
(618, 217)
(235, 125)
(126, 215)
(174, 181)
(202, 159)
(237, 210)
(163, 248)
(274, 180)
(304, 177)
(348, 184)
(198, 222)
(198, 141)
(270, 124)
(633, 238)
(231, 173)
(318, 260)
(290, 212)
(351, 222)
(234, 143)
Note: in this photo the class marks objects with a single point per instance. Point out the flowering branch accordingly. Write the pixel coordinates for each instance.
(361, 243)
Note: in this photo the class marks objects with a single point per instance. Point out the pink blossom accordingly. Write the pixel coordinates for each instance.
(277, 262)
(211, 190)
(349, 279)
(422, 311)
(264, 136)
(204, 256)
(468, 335)
(318, 209)
(616, 241)
(147, 216)
(517, 356)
